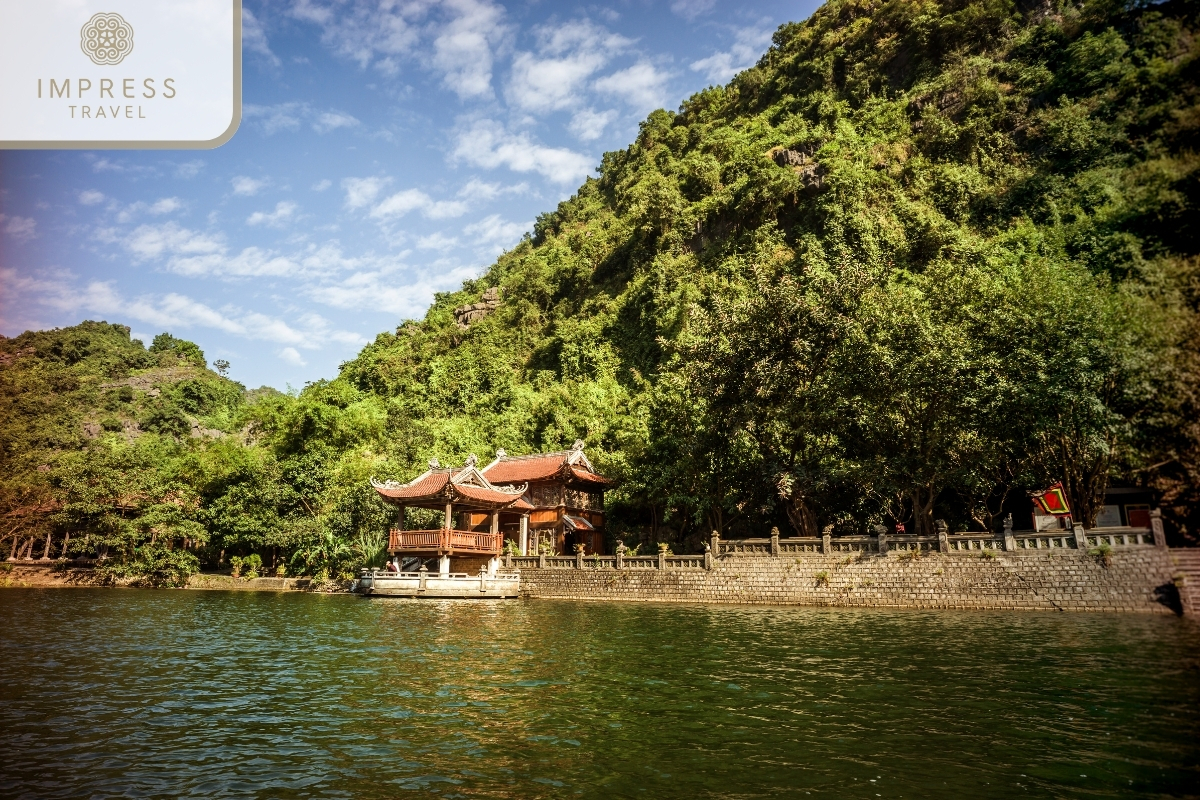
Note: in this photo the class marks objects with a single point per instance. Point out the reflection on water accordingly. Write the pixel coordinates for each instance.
(109, 693)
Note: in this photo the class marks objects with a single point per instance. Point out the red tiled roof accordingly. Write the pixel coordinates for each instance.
(483, 495)
(431, 484)
(520, 470)
(589, 477)
(434, 487)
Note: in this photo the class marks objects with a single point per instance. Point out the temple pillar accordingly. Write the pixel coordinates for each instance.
(443, 566)
(524, 534)
(400, 519)
(449, 517)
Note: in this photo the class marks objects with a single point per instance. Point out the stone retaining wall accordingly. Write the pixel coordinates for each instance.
(229, 583)
(1135, 579)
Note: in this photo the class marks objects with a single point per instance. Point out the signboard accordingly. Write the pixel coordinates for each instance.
(120, 73)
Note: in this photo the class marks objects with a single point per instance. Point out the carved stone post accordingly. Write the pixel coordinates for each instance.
(716, 544)
(1080, 537)
(708, 557)
(881, 535)
(424, 575)
(943, 534)
(620, 555)
(578, 556)
(541, 557)
(1156, 528)
(827, 540)
(1010, 541)
(662, 556)
(774, 541)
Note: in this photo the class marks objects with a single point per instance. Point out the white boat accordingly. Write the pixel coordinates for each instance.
(444, 585)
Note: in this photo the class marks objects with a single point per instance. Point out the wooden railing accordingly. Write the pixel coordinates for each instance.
(443, 540)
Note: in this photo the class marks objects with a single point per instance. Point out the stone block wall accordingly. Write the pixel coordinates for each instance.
(1136, 579)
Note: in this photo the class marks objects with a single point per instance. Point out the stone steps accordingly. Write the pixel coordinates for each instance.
(1187, 562)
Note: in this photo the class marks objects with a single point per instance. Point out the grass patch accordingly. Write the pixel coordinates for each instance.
(1103, 553)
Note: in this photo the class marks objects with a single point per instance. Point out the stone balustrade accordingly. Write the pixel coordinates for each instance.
(975, 543)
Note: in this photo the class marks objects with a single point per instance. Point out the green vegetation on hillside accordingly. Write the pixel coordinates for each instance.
(921, 257)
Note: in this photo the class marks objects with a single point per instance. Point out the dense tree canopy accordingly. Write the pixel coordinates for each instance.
(924, 255)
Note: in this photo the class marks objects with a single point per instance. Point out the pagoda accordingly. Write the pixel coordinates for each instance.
(553, 500)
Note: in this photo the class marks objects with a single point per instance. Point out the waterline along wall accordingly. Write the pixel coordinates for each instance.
(1110, 570)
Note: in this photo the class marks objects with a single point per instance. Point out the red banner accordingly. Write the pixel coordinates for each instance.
(1053, 501)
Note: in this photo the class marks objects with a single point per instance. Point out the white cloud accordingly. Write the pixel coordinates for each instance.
(363, 30)
(641, 86)
(175, 311)
(408, 200)
(388, 287)
(254, 38)
(279, 117)
(487, 144)
(189, 169)
(401, 203)
(495, 233)
(166, 205)
(332, 120)
(363, 191)
(567, 56)
(690, 9)
(154, 241)
(456, 38)
(322, 185)
(292, 356)
(276, 219)
(476, 189)
(251, 262)
(19, 227)
(748, 46)
(589, 125)
(463, 47)
(247, 186)
(437, 241)
(91, 197)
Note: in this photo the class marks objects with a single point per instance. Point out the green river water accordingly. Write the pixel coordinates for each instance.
(127, 693)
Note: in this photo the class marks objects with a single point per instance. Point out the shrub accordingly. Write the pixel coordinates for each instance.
(822, 578)
(155, 566)
(1103, 553)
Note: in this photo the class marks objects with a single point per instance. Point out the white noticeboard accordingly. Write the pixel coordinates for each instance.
(120, 73)
(1109, 517)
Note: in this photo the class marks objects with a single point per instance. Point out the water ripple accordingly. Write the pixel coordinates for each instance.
(119, 693)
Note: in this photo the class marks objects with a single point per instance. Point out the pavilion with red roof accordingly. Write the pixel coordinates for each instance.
(553, 500)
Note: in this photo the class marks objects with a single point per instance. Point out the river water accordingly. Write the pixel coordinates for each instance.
(127, 693)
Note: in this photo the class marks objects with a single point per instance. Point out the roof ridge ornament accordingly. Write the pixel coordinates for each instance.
(434, 464)
(500, 453)
(578, 446)
(389, 484)
(472, 460)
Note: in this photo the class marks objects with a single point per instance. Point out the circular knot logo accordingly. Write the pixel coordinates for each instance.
(106, 38)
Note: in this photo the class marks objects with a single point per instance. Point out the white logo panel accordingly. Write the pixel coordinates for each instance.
(119, 73)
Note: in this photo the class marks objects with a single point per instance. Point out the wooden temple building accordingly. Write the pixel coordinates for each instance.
(545, 501)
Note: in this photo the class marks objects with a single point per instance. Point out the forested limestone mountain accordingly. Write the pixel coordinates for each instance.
(924, 256)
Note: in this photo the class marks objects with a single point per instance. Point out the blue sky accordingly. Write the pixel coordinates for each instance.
(389, 149)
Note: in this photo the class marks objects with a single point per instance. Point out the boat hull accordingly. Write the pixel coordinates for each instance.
(434, 585)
